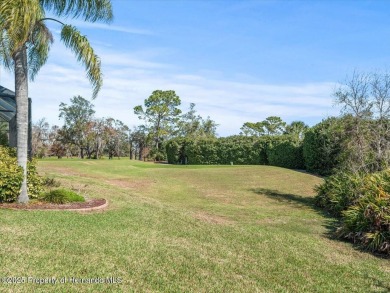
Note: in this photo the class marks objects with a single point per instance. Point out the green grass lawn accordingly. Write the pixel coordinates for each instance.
(184, 229)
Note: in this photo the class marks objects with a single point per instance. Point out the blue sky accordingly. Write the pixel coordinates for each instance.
(237, 60)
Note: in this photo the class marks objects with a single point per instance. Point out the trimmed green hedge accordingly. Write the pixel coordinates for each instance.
(239, 150)
(286, 154)
(322, 146)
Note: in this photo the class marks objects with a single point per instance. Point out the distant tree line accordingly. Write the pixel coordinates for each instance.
(85, 136)
(82, 135)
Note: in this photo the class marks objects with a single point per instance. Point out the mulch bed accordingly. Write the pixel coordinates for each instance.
(89, 205)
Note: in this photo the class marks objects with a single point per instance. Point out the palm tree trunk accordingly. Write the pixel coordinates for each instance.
(21, 94)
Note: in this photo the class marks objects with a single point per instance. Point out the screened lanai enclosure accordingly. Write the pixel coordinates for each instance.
(8, 116)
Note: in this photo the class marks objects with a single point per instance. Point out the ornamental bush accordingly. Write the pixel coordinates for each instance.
(61, 196)
(367, 221)
(362, 202)
(338, 192)
(11, 177)
(34, 181)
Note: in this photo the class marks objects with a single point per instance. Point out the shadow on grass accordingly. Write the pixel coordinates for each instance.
(331, 223)
(285, 197)
(300, 201)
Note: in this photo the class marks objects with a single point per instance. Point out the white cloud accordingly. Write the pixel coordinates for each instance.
(110, 27)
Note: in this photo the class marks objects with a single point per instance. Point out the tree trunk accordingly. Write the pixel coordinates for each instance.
(131, 150)
(21, 95)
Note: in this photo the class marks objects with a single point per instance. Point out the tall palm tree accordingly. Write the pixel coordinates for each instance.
(25, 42)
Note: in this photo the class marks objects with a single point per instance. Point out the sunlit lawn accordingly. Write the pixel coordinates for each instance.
(183, 229)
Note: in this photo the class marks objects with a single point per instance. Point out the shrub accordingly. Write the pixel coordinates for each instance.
(367, 221)
(3, 138)
(322, 146)
(34, 181)
(338, 192)
(61, 196)
(285, 154)
(202, 152)
(11, 175)
(175, 149)
(240, 150)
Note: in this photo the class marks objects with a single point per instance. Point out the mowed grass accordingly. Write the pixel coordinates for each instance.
(184, 229)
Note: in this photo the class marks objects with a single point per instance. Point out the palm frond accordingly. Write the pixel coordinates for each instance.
(80, 45)
(40, 41)
(90, 10)
(5, 54)
(18, 18)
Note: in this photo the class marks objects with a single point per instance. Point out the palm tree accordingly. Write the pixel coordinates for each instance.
(25, 42)
(297, 130)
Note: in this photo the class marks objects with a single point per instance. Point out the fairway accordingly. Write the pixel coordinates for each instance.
(183, 229)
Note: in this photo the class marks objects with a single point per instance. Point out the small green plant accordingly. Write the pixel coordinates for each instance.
(61, 196)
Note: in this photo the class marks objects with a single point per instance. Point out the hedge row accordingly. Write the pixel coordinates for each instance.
(239, 150)
(322, 146)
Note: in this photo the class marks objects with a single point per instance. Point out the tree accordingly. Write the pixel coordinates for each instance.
(297, 130)
(322, 146)
(365, 101)
(252, 129)
(25, 42)
(78, 119)
(116, 136)
(138, 141)
(272, 125)
(194, 126)
(40, 138)
(161, 113)
(208, 128)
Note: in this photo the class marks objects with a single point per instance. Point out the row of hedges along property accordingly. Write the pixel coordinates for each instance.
(318, 153)
(239, 150)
